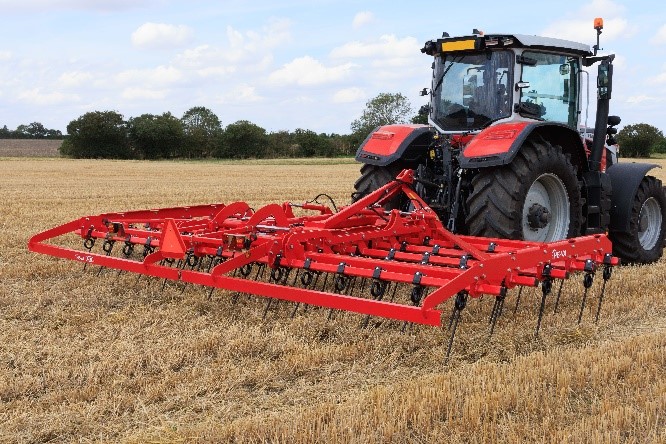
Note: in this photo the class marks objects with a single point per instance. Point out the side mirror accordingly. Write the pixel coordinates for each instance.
(424, 92)
(605, 80)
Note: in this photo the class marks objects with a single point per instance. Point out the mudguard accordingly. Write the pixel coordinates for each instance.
(389, 143)
(498, 144)
(625, 179)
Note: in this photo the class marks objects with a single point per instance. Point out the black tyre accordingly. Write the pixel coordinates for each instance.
(644, 242)
(536, 197)
(374, 177)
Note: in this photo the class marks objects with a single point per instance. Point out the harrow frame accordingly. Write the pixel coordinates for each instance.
(362, 240)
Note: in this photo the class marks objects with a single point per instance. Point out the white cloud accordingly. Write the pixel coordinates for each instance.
(349, 95)
(143, 94)
(605, 7)
(659, 78)
(241, 94)
(162, 75)
(249, 49)
(161, 36)
(363, 18)
(73, 79)
(386, 46)
(216, 71)
(5, 56)
(659, 38)
(578, 27)
(636, 100)
(580, 30)
(307, 71)
(37, 97)
(9, 6)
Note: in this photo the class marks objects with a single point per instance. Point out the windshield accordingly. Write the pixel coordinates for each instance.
(470, 90)
(553, 90)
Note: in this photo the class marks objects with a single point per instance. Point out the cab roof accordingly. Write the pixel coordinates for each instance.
(535, 41)
(479, 42)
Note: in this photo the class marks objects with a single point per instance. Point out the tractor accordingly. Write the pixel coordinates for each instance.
(502, 156)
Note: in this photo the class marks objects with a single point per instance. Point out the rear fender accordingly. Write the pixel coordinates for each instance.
(389, 143)
(498, 144)
(625, 179)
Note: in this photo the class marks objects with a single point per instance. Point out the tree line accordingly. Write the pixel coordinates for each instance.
(34, 130)
(199, 134)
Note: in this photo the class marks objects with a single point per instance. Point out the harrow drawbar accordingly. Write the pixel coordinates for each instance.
(351, 260)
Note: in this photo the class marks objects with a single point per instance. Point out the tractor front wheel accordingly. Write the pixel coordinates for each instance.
(644, 242)
(536, 197)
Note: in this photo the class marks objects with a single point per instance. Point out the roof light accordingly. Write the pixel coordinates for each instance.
(598, 23)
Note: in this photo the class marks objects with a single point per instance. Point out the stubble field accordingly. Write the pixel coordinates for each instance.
(98, 358)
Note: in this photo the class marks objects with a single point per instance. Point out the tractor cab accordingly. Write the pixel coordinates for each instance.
(480, 80)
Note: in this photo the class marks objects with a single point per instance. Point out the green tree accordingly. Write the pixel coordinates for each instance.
(156, 137)
(660, 147)
(385, 109)
(639, 140)
(53, 134)
(203, 131)
(5, 133)
(35, 130)
(243, 140)
(342, 145)
(281, 144)
(97, 134)
(422, 116)
(310, 144)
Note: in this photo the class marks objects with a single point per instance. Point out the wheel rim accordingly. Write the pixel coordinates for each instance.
(649, 223)
(547, 195)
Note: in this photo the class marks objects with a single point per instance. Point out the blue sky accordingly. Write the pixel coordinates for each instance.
(285, 64)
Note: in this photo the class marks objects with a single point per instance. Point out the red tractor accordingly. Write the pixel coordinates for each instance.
(502, 156)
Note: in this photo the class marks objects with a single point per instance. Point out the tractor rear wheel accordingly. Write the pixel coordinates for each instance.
(537, 197)
(644, 242)
(374, 177)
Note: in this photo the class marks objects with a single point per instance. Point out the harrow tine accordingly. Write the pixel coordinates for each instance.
(377, 291)
(308, 280)
(587, 283)
(546, 288)
(520, 292)
(606, 275)
(88, 244)
(459, 305)
(268, 306)
(260, 272)
(497, 309)
(557, 299)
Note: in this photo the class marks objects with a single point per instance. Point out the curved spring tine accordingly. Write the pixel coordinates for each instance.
(546, 288)
(520, 292)
(557, 299)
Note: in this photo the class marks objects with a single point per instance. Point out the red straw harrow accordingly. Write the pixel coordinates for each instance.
(352, 260)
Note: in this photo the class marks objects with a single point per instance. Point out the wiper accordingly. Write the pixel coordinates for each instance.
(446, 70)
